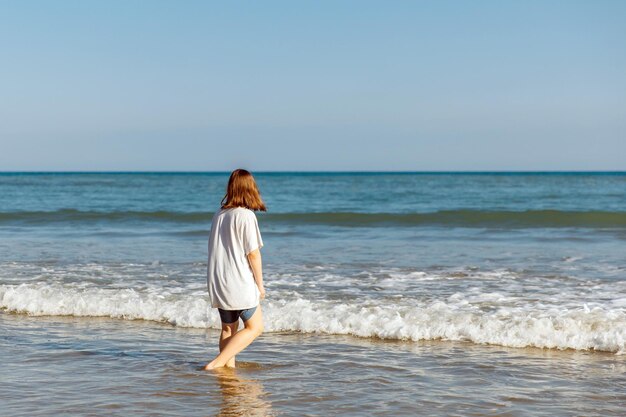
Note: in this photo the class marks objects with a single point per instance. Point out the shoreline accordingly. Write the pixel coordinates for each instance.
(374, 341)
(113, 367)
(344, 338)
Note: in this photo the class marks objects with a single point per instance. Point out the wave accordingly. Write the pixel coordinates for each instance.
(451, 218)
(78, 216)
(584, 328)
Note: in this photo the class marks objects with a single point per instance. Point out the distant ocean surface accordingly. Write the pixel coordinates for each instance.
(509, 260)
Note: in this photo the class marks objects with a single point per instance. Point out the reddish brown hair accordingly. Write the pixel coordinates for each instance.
(242, 192)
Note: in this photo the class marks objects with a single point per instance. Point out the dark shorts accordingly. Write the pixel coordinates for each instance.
(231, 316)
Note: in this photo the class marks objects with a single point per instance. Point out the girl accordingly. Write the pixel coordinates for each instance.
(234, 271)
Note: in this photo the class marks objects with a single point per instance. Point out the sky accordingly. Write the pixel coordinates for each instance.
(312, 85)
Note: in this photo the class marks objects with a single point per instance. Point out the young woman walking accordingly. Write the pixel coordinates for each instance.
(234, 271)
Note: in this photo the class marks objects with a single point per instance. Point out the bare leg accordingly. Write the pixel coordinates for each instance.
(228, 330)
(239, 341)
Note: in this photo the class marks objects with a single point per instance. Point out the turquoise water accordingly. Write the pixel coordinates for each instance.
(513, 263)
(317, 192)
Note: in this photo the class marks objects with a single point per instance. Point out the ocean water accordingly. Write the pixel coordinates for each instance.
(387, 294)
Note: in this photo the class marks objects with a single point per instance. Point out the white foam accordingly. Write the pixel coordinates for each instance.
(595, 327)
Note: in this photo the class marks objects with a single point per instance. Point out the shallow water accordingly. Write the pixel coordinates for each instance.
(62, 366)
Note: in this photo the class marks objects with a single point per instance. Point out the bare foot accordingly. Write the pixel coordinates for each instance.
(212, 365)
(230, 363)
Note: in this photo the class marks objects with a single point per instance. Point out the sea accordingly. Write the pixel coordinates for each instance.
(388, 294)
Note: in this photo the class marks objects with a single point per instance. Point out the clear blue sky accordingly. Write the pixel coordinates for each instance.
(295, 85)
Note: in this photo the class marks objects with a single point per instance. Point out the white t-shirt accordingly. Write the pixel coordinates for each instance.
(230, 281)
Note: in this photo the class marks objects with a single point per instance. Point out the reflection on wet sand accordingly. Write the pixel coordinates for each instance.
(241, 395)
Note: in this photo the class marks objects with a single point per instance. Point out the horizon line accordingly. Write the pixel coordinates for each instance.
(318, 172)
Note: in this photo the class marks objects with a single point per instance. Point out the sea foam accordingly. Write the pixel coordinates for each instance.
(593, 328)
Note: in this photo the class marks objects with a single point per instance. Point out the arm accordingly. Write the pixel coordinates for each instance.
(254, 258)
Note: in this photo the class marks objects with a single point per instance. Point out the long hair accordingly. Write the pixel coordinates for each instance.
(242, 192)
